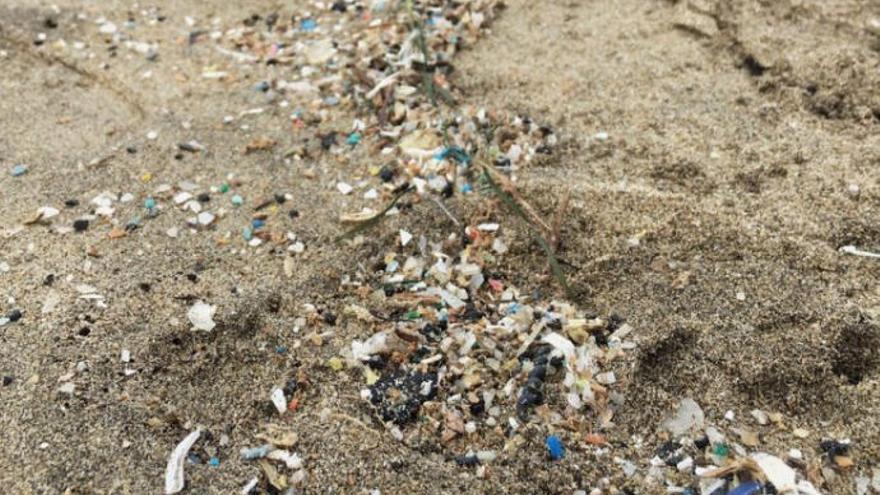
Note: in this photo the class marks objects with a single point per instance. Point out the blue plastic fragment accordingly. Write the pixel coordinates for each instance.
(466, 188)
(255, 452)
(454, 152)
(247, 233)
(19, 170)
(257, 223)
(280, 349)
(150, 203)
(555, 448)
(747, 488)
(353, 139)
(237, 200)
(308, 25)
(214, 462)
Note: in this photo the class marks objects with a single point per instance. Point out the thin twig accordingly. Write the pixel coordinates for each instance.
(427, 78)
(374, 220)
(512, 203)
(559, 218)
(508, 187)
(445, 210)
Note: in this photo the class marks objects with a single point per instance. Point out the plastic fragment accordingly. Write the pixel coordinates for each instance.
(174, 479)
(279, 400)
(747, 488)
(858, 252)
(688, 416)
(201, 315)
(776, 471)
(455, 153)
(308, 25)
(291, 460)
(249, 486)
(250, 454)
(555, 447)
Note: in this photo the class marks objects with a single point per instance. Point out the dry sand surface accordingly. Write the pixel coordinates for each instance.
(718, 154)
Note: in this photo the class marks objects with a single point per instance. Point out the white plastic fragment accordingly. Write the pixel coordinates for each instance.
(50, 302)
(201, 315)
(376, 344)
(560, 343)
(382, 85)
(487, 455)
(607, 378)
(67, 388)
(776, 471)
(292, 461)
(320, 52)
(405, 237)
(858, 252)
(711, 485)
(685, 464)
(249, 486)
(182, 197)
(862, 485)
(174, 471)
(278, 400)
(806, 488)
(499, 246)
(108, 28)
(688, 416)
(760, 416)
(344, 188)
(206, 218)
(47, 212)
